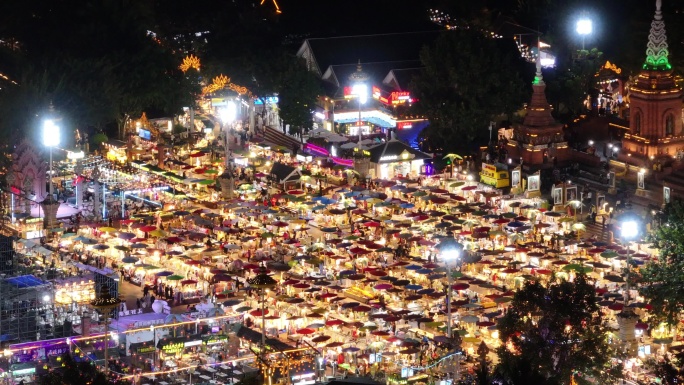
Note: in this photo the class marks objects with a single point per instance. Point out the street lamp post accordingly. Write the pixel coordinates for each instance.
(360, 89)
(105, 303)
(584, 28)
(629, 230)
(449, 255)
(263, 281)
(50, 140)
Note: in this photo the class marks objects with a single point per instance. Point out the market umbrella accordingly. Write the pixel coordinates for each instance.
(320, 339)
(613, 278)
(129, 260)
(157, 233)
(100, 247)
(232, 302)
(222, 278)
(409, 351)
(107, 229)
(306, 331)
(175, 277)
(126, 236)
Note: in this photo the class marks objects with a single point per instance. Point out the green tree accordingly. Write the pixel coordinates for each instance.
(467, 79)
(298, 90)
(97, 63)
(668, 368)
(551, 332)
(568, 85)
(77, 373)
(663, 277)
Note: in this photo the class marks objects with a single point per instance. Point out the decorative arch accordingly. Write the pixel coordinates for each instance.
(637, 123)
(669, 124)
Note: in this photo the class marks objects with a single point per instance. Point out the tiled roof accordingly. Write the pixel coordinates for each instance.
(395, 148)
(369, 48)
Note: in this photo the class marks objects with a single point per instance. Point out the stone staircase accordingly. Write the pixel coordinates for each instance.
(276, 137)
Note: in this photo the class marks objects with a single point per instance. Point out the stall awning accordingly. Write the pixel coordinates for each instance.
(43, 251)
(254, 336)
(115, 143)
(284, 173)
(142, 347)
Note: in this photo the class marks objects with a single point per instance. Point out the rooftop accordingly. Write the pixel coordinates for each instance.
(368, 48)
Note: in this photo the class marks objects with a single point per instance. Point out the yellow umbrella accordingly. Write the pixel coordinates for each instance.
(107, 229)
(158, 233)
(452, 156)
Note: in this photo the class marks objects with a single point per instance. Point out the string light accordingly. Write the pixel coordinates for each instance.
(190, 62)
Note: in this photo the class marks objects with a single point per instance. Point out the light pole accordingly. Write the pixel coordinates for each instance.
(629, 230)
(450, 254)
(105, 303)
(50, 140)
(584, 27)
(263, 281)
(360, 89)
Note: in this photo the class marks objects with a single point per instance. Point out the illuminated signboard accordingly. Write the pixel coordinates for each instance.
(173, 348)
(400, 97)
(216, 339)
(488, 167)
(146, 349)
(269, 100)
(404, 125)
(145, 134)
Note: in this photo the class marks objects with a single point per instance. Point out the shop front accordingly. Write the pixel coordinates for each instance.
(29, 359)
(396, 159)
(116, 151)
(176, 350)
(75, 290)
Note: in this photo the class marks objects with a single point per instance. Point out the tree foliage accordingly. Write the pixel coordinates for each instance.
(551, 332)
(467, 79)
(77, 373)
(569, 84)
(298, 90)
(96, 62)
(663, 277)
(668, 368)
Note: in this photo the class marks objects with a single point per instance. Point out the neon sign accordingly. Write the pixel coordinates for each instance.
(399, 97)
(404, 125)
(316, 149)
(343, 162)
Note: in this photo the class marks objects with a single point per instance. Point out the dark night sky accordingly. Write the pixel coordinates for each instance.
(350, 17)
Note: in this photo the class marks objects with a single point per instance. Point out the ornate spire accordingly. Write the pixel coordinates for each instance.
(656, 49)
(538, 109)
(358, 76)
(538, 78)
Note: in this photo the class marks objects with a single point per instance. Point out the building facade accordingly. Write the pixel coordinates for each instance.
(655, 126)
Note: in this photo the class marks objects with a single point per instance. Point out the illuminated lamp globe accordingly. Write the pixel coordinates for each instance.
(262, 280)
